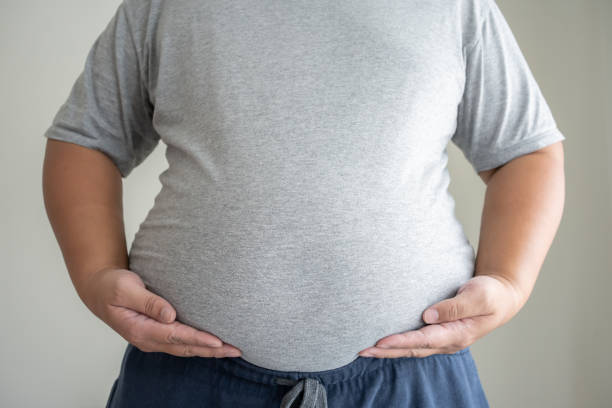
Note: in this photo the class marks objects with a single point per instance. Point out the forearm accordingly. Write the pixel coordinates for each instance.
(522, 210)
(83, 198)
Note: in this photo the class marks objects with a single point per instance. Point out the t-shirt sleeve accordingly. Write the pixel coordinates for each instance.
(502, 114)
(108, 107)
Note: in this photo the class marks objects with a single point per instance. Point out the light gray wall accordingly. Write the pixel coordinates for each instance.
(555, 352)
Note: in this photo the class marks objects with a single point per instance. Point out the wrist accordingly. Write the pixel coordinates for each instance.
(87, 285)
(518, 297)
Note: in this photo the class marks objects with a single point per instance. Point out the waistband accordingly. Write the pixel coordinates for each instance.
(360, 366)
(309, 388)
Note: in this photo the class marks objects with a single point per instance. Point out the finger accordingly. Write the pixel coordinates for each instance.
(466, 303)
(433, 336)
(188, 350)
(401, 352)
(181, 334)
(138, 328)
(411, 339)
(132, 293)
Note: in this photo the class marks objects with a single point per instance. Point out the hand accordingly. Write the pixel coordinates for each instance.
(482, 304)
(120, 299)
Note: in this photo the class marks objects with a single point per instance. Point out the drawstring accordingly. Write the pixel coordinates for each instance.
(314, 392)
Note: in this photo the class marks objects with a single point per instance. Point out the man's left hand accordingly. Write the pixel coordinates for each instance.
(482, 304)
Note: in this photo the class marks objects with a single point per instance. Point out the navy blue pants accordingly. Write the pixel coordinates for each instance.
(156, 379)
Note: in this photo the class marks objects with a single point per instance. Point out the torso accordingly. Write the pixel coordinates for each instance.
(304, 214)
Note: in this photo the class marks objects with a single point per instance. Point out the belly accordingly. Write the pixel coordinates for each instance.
(294, 287)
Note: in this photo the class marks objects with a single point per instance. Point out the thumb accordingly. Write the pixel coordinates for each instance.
(455, 308)
(137, 297)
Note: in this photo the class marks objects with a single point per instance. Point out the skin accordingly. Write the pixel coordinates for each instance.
(82, 190)
(522, 211)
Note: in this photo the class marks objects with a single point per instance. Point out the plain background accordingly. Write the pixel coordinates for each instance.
(555, 352)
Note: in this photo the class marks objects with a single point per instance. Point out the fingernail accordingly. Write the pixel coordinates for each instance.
(366, 354)
(166, 314)
(431, 315)
(233, 353)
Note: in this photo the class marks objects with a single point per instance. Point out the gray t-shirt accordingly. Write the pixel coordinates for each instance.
(304, 213)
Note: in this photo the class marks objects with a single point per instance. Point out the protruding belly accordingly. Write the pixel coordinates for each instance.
(298, 291)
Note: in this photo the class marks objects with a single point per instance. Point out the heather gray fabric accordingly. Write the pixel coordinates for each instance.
(304, 213)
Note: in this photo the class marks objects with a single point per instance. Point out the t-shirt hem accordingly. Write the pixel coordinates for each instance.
(529, 145)
(77, 138)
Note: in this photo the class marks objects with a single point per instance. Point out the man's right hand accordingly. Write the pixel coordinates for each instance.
(120, 299)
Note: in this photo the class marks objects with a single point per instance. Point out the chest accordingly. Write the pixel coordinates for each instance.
(225, 69)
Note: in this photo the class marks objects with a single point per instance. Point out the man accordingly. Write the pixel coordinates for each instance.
(304, 222)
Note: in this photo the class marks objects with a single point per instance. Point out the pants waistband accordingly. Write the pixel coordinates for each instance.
(361, 365)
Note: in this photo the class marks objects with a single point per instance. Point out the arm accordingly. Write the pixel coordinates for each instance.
(505, 127)
(82, 192)
(522, 210)
(101, 132)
